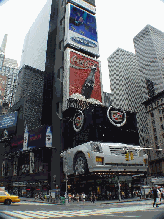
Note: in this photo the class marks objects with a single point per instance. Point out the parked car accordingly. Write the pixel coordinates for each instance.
(7, 199)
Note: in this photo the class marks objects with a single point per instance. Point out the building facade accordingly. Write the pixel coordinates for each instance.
(9, 75)
(155, 111)
(137, 79)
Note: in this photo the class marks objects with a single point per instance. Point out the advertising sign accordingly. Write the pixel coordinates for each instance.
(31, 162)
(82, 78)
(48, 137)
(81, 30)
(116, 116)
(84, 4)
(9, 120)
(25, 143)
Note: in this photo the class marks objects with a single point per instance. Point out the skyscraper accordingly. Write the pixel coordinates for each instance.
(61, 43)
(125, 80)
(134, 78)
(8, 76)
(149, 50)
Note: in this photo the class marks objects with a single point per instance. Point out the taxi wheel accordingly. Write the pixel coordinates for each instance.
(80, 164)
(7, 202)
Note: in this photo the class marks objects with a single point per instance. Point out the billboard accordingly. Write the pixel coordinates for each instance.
(8, 120)
(80, 29)
(82, 78)
(89, 6)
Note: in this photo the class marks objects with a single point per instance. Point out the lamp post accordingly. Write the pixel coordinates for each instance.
(66, 180)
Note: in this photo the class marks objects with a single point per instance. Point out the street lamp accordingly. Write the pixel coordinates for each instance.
(66, 176)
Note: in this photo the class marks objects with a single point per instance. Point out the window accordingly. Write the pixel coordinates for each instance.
(8, 69)
(2, 193)
(61, 45)
(60, 73)
(62, 22)
(59, 109)
(62, 3)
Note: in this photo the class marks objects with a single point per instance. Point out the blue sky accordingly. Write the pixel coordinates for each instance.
(118, 21)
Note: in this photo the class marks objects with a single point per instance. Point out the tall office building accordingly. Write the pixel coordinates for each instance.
(59, 60)
(125, 80)
(126, 84)
(149, 50)
(8, 78)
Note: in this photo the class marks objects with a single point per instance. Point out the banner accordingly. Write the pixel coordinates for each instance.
(82, 79)
(80, 29)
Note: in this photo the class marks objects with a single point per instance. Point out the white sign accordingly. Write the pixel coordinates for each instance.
(25, 143)
(48, 137)
(31, 162)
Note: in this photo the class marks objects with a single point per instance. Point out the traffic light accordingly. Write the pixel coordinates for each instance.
(131, 156)
(127, 156)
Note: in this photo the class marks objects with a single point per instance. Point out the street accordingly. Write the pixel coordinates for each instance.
(141, 209)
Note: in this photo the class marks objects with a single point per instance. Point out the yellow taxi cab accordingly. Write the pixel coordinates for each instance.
(7, 199)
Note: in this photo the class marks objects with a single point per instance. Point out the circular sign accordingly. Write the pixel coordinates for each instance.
(78, 121)
(116, 117)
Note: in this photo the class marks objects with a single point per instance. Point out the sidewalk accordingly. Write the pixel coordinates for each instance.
(88, 202)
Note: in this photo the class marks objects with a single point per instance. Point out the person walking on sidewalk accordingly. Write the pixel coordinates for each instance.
(155, 196)
(93, 198)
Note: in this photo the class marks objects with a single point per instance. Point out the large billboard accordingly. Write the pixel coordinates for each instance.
(80, 29)
(82, 78)
(87, 5)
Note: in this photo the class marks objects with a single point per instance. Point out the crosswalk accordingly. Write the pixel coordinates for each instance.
(75, 213)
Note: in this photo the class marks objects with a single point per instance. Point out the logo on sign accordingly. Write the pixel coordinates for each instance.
(84, 42)
(116, 117)
(78, 121)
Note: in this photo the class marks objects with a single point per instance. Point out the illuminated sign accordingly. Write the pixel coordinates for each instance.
(84, 4)
(116, 117)
(80, 30)
(8, 120)
(83, 42)
(82, 79)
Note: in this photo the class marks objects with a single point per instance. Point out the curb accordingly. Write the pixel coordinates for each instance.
(4, 216)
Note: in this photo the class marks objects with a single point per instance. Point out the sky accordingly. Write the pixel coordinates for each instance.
(118, 22)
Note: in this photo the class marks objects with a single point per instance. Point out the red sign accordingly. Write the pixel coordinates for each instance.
(84, 77)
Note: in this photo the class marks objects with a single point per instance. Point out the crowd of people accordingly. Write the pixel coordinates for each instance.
(81, 197)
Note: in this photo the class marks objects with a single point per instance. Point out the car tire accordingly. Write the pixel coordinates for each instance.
(7, 202)
(80, 164)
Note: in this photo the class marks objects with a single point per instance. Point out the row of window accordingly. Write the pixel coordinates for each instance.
(14, 169)
(5, 69)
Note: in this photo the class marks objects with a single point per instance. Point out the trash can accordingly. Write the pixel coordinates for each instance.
(62, 200)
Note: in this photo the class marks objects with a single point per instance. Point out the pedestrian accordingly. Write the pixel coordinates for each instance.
(77, 197)
(93, 198)
(83, 197)
(158, 195)
(73, 197)
(155, 196)
(122, 195)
